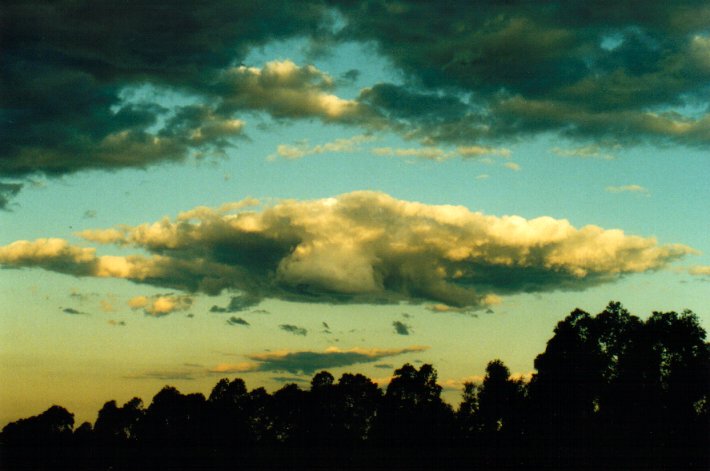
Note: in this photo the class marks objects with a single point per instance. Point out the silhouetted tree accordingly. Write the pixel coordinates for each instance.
(38, 442)
(610, 390)
(116, 425)
(357, 401)
(412, 411)
(229, 413)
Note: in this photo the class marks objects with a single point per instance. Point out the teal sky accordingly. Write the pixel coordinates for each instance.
(394, 118)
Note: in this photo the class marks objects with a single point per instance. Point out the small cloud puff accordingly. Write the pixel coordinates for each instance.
(293, 329)
(401, 328)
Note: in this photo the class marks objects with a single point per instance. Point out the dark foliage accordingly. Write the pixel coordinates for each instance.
(610, 391)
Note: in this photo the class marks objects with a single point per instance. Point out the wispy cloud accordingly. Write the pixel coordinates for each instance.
(303, 149)
(700, 270)
(584, 152)
(629, 189)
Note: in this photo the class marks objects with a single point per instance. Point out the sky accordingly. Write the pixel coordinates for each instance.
(266, 190)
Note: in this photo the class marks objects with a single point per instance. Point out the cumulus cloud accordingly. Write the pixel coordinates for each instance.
(360, 247)
(308, 362)
(512, 166)
(160, 305)
(628, 189)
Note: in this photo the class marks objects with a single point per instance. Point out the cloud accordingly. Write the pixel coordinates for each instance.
(512, 166)
(511, 70)
(440, 155)
(238, 303)
(97, 87)
(360, 247)
(160, 305)
(428, 153)
(167, 375)
(584, 152)
(478, 151)
(401, 328)
(107, 305)
(700, 270)
(72, 311)
(628, 189)
(308, 362)
(343, 145)
(293, 329)
(7, 192)
(237, 321)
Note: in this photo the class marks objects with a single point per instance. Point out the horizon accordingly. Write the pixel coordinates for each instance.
(268, 191)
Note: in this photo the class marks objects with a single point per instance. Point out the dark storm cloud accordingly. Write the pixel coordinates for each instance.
(401, 328)
(67, 66)
(293, 329)
(597, 70)
(86, 85)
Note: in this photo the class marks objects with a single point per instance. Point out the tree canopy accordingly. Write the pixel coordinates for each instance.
(609, 389)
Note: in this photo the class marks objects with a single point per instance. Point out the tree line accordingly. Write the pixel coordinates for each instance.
(610, 391)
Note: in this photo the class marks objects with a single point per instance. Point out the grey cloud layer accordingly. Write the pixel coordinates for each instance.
(308, 362)
(471, 71)
(612, 70)
(361, 247)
